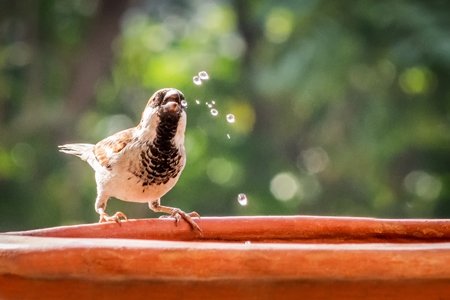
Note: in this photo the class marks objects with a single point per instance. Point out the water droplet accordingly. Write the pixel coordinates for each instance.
(228, 135)
(184, 103)
(230, 118)
(242, 199)
(213, 102)
(214, 112)
(197, 101)
(197, 80)
(203, 75)
(209, 105)
(247, 242)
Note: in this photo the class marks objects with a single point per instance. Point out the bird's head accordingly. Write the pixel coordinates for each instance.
(165, 115)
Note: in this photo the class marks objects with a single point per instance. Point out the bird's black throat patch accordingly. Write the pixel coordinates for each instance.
(160, 159)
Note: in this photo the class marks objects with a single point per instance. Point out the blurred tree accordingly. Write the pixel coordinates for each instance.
(341, 108)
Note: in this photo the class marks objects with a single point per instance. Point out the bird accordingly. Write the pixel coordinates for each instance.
(141, 164)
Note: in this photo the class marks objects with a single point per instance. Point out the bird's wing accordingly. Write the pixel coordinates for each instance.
(107, 148)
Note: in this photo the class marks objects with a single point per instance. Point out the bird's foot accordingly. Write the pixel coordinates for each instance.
(178, 214)
(116, 218)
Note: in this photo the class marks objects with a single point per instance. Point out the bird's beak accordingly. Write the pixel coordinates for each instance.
(172, 102)
(171, 106)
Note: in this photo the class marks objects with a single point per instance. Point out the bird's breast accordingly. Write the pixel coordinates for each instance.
(157, 164)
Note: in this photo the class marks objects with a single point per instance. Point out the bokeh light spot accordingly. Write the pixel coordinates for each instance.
(279, 25)
(315, 160)
(220, 170)
(424, 185)
(284, 186)
(417, 80)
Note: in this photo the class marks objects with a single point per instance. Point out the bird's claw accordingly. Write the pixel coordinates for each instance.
(178, 214)
(115, 218)
(194, 214)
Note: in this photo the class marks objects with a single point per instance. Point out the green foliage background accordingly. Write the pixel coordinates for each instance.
(342, 107)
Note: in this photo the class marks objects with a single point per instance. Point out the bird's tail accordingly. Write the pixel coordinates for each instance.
(83, 151)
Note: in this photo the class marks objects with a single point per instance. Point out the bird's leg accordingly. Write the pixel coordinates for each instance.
(100, 206)
(175, 213)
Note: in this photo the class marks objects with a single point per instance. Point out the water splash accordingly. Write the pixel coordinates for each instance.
(231, 118)
(197, 80)
(203, 75)
(242, 199)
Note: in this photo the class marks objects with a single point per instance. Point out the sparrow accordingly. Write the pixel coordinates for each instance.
(141, 164)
